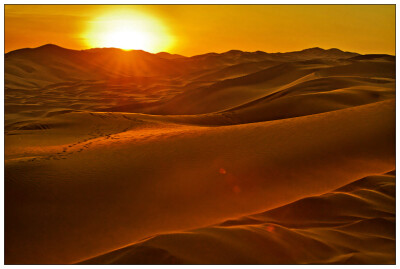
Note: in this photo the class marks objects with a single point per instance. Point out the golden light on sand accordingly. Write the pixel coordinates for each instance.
(128, 30)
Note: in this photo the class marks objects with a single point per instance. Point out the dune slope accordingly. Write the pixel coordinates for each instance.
(354, 224)
(144, 181)
(118, 157)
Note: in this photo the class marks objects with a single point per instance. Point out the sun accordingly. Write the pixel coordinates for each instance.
(128, 30)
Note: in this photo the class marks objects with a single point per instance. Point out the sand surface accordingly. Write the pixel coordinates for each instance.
(233, 158)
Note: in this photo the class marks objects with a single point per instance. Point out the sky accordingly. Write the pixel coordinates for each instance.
(197, 29)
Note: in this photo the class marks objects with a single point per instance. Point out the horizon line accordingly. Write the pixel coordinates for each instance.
(211, 52)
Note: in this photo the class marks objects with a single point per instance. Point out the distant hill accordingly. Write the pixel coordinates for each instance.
(50, 63)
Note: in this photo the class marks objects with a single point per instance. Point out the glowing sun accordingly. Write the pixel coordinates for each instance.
(128, 30)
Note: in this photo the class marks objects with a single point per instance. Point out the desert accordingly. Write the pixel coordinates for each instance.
(130, 157)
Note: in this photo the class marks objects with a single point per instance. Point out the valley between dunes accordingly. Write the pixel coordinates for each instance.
(127, 157)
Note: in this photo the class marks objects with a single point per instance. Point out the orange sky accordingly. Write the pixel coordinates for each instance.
(197, 29)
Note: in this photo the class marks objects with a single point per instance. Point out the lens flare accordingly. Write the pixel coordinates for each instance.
(128, 30)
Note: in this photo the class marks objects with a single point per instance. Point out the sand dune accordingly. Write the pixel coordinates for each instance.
(229, 93)
(353, 224)
(175, 181)
(172, 162)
